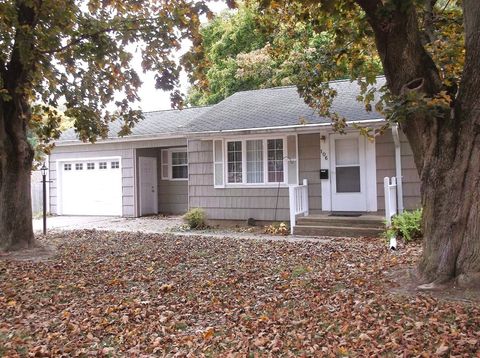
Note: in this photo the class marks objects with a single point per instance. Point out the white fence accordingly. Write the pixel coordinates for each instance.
(390, 186)
(298, 198)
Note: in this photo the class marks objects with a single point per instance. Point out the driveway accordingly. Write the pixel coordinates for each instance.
(153, 224)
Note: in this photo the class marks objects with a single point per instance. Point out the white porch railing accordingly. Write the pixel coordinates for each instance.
(390, 186)
(298, 198)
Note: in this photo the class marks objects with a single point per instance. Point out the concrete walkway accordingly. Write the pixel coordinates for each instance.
(152, 225)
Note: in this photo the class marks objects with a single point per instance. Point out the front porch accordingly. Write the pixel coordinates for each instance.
(340, 223)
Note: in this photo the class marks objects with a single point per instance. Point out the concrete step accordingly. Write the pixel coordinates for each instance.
(336, 231)
(365, 222)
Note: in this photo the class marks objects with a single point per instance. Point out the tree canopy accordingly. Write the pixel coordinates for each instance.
(251, 49)
(79, 55)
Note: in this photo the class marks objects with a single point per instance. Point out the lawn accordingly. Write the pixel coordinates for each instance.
(111, 294)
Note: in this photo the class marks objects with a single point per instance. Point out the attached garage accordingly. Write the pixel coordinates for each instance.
(90, 187)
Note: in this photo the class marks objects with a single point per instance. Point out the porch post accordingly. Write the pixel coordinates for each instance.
(291, 199)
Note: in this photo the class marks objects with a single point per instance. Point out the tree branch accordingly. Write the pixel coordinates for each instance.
(469, 91)
(80, 38)
(371, 8)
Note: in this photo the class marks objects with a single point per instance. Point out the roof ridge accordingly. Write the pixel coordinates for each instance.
(176, 109)
(294, 86)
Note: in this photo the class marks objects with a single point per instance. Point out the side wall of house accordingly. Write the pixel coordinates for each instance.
(309, 168)
(172, 194)
(385, 149)
(267, 204)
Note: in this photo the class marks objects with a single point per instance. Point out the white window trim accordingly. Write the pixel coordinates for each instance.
(170, 165)
(265, 183)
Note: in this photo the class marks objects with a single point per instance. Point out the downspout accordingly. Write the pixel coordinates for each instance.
(398, 168)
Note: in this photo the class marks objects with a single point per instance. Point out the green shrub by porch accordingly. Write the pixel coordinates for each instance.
(195, 218)
(407, 225)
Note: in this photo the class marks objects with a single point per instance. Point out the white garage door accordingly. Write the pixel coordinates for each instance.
(91, 187)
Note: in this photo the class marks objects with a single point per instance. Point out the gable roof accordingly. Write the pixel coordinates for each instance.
(279, 107)
(172, 121)
(270, 108)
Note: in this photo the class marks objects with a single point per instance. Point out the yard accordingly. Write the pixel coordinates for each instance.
(111, 294)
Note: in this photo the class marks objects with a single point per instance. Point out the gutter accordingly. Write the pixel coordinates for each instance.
(184, 135)
(295, 127)
(137, 138)
(398, 168)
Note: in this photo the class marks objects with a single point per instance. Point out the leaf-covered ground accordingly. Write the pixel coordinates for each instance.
(111, 294)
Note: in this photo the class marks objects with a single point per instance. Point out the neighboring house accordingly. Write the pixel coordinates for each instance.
(236, 160)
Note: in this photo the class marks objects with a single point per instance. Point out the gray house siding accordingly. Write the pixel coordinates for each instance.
(309, 168)
(385, 154)
(230, 203)
(172, 195)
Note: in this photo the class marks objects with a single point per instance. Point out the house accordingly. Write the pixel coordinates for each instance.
(237, 160)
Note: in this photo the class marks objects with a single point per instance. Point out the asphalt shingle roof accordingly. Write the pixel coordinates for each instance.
(157, 122)
(256, 109)
(278, 107)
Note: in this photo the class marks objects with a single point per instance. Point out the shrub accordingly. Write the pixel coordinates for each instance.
(407, 225)
(195, 218)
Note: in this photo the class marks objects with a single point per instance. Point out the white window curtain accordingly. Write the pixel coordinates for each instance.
(254, 161)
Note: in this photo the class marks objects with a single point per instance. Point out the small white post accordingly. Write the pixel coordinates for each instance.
(305, 184)
(291, 197)
(386, 186)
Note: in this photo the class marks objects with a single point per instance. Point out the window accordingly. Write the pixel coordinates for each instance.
(102, 165)
(67, 167)
(255, 161)
(179, 162)
(275, 160)
(90, 166)
(79, 166)
(115, 165)
(234, 162)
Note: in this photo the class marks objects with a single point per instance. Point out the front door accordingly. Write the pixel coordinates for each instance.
(147, 167)
(348, 179)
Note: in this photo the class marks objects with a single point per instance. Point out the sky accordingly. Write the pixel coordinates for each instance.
(152, 99)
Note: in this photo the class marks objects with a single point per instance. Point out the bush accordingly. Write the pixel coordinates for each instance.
(195, 218)
(407, 225)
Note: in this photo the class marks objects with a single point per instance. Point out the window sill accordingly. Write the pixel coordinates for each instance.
(254, 186)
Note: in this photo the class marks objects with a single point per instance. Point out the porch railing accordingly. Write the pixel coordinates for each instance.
(298, 198)
(390, 186)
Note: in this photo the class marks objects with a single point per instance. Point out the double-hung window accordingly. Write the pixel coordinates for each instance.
(255, 161)
(174, 164)
(179, 165)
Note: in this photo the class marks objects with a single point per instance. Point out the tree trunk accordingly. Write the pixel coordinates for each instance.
(16, 156)
(451, 216)
(446, 150)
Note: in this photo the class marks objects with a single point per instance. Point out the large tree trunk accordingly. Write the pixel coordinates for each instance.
(451, 216)
(16, 157)
(446, 149)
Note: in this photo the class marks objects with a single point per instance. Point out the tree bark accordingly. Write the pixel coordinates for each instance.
(446, 149)
(16, 157)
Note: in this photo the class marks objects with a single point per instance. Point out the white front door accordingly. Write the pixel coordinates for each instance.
(348, 172)
(148, 185)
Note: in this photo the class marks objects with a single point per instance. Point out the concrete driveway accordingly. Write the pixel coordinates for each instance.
(153, 224)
